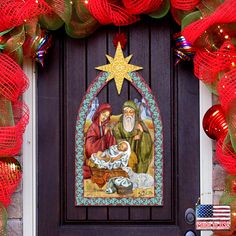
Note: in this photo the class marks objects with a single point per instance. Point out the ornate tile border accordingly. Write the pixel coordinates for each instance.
(139, 83)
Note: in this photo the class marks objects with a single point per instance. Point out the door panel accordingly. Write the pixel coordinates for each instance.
(61, 87)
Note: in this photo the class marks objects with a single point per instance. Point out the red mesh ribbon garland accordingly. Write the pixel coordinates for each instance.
(227, 96)
(178, 15)
(110, 11)
(82, 23)
(14, 13)
(208, 65)
(225, 13)
(10, 177)
(207, 7)
(141, 6)
(226, 156)
(227, 89)
(184, 5)
(11, 136)
(62, 8)
(13, 81)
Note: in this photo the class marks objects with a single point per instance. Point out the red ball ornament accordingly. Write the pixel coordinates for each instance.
(214, 122)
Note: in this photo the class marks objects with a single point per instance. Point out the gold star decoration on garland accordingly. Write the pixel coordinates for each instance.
(119, 68)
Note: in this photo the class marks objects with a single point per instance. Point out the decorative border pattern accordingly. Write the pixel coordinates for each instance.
(139, 83)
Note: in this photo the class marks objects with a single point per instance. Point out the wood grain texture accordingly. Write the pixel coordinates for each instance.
(61, 87)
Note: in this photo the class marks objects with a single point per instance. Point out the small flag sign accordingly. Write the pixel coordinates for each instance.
(210, 217)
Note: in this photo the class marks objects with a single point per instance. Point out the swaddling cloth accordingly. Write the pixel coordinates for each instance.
(112, 152)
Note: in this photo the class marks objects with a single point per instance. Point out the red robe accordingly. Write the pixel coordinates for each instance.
(96, 139)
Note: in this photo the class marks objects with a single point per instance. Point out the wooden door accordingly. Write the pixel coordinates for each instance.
(62, 83)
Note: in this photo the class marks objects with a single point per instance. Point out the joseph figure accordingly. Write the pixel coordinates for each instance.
(132, 129)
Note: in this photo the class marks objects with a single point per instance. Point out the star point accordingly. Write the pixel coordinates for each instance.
(119, 68)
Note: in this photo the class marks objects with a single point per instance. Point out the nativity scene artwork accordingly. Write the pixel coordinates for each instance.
(119, 154)
(118, 149)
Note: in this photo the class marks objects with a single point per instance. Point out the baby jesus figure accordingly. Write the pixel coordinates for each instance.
(116, 156)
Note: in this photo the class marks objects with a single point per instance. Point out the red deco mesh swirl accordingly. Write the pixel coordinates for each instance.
(13, 81)
(14, 13)
(110, 11)
(178, 14)
(227, 96)
(140, 6)
(61, 8)
(208, 65)
(225, 13)
(9, 180)
(227, 89)
(184, 5)
(226, 156)
(11, 136)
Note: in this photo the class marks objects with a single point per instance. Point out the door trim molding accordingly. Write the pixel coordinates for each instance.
(205, 149)
(206, 152)
(30, 154)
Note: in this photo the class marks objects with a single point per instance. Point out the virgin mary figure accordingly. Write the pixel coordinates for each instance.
(99, 136)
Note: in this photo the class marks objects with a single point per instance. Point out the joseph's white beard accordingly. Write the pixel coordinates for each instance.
(128, 123)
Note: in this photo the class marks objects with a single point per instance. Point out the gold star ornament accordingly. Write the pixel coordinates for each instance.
(119, 68)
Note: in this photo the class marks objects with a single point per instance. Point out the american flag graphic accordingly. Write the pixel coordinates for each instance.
(213, 217)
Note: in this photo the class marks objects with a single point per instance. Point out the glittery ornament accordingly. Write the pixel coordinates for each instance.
(37, 47)
(214, 122)
(10, 176)
(183, 49)
(119, 68)
(120, 37)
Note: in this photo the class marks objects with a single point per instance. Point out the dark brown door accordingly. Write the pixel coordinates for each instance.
(61, 85)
